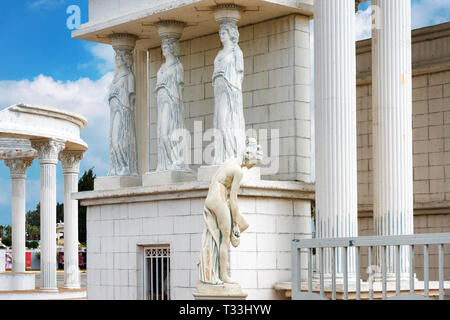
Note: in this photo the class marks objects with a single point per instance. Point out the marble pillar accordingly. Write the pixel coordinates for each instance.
(18, 171)
(123, 158)
(172, 151)
(70, 161)
(229, 122)
(391, 125)
(335, 129)
(48, 151)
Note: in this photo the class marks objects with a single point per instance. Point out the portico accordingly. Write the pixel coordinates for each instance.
(29, 132)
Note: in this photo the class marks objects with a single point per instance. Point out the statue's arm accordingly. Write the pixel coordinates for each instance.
(234, 208)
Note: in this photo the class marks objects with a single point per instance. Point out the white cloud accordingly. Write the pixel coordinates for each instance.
(45, 4)
(363, 24)
(103, 60)
(429, 12)
(83, 96)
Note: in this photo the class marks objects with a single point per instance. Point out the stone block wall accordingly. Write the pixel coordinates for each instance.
(117, 234)
(431, 139)
(276, 89)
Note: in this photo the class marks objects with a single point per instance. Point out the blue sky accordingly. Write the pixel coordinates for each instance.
(41, 64)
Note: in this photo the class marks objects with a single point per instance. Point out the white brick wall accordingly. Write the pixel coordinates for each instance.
(276, 89)
(261, 259)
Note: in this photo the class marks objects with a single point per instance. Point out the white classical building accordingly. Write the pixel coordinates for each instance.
(51, 135)
(144, 230)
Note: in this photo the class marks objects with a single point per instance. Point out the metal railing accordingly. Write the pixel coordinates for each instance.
(306, 247)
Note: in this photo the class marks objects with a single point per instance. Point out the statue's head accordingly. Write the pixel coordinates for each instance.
(170, 46)
(230, 30)
(123, 57)
(252, 154)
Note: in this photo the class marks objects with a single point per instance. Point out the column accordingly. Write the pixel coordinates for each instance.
(70, 161)
(48, 151)
(335, 108)
(18, 171)
(391, 124)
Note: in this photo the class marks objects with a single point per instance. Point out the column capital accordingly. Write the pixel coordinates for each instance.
(48, 150)
(18, 167)
(227, 12)
(172, 29)
(70, 161)
(123, 41)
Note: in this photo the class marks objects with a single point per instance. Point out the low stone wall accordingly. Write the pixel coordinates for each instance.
(120, 223)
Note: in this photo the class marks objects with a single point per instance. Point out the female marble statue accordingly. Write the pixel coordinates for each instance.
(224, 222)
(169, 88)
(228, 107)
(122, 134)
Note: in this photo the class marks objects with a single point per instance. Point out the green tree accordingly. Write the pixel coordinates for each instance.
(33, 232)
(33, 217)
(86, 183)
(60, 212)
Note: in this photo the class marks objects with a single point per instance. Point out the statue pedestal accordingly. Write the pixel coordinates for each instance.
(116, 182)
(166, 177)
(205, 173)
(226, 291)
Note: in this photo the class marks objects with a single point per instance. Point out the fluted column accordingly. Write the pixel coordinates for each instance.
(392, 127)
(48, 151)
(335, 107)
(70, 161)
(18, 171)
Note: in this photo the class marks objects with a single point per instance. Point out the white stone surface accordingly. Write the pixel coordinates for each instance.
(172, 214)
(166, 177)
(123, 157)
(48, 151)
(270, 104)
(229, 122)
(116, 182)
(172, 153)
(335, 116)
(38, 122)
(392, 126)
(70, 162)
(205, 173)
(17, 282)
(106, 17)
(18, 168)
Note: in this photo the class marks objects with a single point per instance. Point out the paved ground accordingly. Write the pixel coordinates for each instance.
(60, 278)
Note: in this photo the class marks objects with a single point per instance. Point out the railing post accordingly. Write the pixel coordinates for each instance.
(426, 271)
(295, 269)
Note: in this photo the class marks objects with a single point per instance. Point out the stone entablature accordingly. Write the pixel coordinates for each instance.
(139, 17)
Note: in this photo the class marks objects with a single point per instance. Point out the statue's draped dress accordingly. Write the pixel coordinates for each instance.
(228, 106)
(169, 82)
(123, 152)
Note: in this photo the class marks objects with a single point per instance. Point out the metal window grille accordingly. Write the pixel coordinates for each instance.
(157, 273)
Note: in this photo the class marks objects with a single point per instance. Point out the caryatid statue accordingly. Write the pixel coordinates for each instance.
(227, 80)
(123, 159)
(224, 222)
(169, 93)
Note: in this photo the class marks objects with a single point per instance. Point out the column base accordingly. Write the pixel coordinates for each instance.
(116, 182)
(166, 177)
(71, 286)
(226, 291)
(205, 173)
(49, 290)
